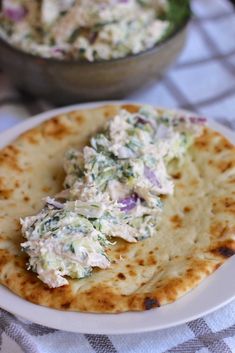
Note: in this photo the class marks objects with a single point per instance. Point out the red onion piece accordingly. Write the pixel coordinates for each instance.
(129, 202)
(15, 14)
(151, 176)
(58, 50)
(192, 119)
(197, 120)
(144, 121)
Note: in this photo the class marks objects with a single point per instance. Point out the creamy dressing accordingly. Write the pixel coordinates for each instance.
(113, 188)
(86, 29)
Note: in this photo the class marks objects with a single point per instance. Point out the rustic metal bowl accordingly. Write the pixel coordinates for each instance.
(66, 82)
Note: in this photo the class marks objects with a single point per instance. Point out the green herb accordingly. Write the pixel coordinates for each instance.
(71, 248)
(177, 14)
(74, 36)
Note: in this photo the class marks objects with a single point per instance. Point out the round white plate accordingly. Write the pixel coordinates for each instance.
(213, 293)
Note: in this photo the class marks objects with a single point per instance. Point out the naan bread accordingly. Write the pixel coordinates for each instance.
(196, 235)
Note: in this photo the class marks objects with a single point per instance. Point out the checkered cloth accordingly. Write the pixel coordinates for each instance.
(203, 80)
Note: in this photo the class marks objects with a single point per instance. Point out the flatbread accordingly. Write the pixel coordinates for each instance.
(196, 235)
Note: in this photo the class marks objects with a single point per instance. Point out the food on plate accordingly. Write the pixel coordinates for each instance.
(113, 189)
(88, 29)
(191, 230)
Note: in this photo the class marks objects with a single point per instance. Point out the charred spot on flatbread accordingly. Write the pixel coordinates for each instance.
(150, 303)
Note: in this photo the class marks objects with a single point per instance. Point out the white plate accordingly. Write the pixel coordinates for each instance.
(213, 293)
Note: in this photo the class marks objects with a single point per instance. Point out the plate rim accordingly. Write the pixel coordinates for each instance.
(6, 137)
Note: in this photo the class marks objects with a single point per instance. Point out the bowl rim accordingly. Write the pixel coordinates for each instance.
(157, 47)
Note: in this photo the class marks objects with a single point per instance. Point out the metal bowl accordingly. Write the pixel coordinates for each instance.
(66, 82)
